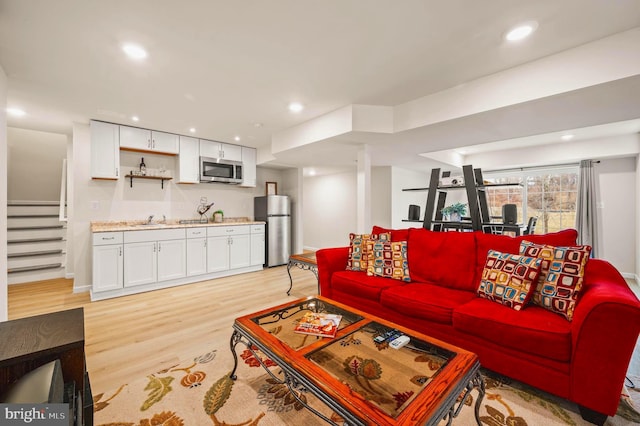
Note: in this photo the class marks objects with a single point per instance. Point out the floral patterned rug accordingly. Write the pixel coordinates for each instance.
(199, 391)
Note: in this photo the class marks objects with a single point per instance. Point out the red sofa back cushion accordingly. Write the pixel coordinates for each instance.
(396, 234)
(444, 258)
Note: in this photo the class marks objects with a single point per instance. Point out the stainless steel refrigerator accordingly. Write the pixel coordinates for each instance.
(275, 210)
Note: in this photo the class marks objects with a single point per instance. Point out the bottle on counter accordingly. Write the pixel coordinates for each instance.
(143, 167)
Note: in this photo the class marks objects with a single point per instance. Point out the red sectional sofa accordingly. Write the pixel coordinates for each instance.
(583, 360)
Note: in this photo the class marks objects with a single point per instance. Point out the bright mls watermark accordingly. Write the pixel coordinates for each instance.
(34, 414)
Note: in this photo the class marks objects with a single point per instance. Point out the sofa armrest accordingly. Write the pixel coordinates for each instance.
(329, 261)
(604, 329)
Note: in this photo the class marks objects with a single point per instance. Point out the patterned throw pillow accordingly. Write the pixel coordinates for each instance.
(358, 254)
(509, 279)
(561, 275)
(388, 259)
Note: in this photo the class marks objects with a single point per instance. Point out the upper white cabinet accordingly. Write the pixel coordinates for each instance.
(105, 150)
(189, 160)
(215, 149)
(137, 139)
(248, 167)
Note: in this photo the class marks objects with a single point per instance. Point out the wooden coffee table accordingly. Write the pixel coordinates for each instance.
(364, 381)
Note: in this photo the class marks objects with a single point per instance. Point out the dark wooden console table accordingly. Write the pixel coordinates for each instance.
(28, 343)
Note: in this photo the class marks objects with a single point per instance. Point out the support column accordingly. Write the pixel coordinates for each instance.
(363, 190)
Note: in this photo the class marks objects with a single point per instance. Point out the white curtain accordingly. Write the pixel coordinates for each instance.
(586, 208)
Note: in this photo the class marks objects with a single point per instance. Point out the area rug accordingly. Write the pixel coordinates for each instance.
(199, 391)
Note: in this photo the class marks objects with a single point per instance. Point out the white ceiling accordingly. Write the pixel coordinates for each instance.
(222, 66)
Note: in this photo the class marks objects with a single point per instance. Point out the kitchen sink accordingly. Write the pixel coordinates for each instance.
(149, 225)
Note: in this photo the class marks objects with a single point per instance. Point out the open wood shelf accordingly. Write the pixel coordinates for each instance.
(160, 178)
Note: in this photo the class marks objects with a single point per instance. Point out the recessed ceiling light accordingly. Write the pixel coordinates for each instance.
(192, 130)
(134, 51)
(135, 118)
(522, 31)
(236, 138)
(295, 107)
(16, 112)
(256, 124)
(566, 137)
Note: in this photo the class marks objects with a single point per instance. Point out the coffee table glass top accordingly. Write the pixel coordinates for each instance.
(281, 323)
(388, 378)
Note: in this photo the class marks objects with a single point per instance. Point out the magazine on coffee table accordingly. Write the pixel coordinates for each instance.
(318, 324)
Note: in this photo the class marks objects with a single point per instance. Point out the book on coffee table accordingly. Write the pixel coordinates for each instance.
(318, 324)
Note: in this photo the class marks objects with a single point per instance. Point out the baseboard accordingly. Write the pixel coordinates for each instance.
(631, 276)
(69, 276)
(81, 289)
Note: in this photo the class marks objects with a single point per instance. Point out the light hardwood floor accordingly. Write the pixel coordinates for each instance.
(144, 333)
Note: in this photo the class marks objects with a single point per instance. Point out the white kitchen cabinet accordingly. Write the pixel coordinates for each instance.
(228, 247)
(154, 255)
(137, 139)
(105, 150)
(257, 245)
(189, 160)
(196, 251)
(217, 253)
(239, 251)
(215, 149)
(248, 167)
(107, 261)
(172, 259)
(140, 263)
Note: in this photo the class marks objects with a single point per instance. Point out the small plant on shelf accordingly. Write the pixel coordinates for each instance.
(454, 212)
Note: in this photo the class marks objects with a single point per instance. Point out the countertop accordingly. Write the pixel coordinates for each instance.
(139, 225)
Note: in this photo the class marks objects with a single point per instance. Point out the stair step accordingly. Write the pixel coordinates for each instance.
(34, 228)
(31, 216)
(34, 253)
(15, 203)
(34, 268)
(34, 240)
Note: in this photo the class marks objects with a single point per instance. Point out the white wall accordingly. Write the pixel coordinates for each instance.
(3, 196)
(381, 196)
(329, 210)
(616, 179)
(103, 200)
(400, 200)
(35, 167)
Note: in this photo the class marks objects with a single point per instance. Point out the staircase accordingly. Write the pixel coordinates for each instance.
(36, 241)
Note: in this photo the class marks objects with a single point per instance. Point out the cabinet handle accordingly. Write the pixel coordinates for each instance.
(117, 171)
(120, 251)
(148, 143)
(154, 247)
(205, 243)
(108, 238)
(153, 143)
(159, 247)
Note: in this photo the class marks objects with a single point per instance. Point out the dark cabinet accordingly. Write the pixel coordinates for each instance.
(28, 343)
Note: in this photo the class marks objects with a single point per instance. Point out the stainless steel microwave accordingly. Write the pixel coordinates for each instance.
(220, 170)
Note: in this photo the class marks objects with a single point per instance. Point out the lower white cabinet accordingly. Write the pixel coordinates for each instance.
(154, 255)
(141, 263)
(107, 261)
(128, 262)
(228, 247)
(257, 245)
(196, 251)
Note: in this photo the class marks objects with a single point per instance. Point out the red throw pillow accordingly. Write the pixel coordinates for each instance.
(509, 279)
(358, 252)
(561, 276)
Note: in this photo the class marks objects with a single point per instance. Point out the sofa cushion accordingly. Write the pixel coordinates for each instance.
(388, 259)
(445, 258)
(507, 244)
(425, 301)
(561, 277)
(358, 250)
(358, 283)
(509, 279)
(532, 330)
(396, 234)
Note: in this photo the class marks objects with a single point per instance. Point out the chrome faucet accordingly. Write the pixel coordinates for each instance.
(149, 220)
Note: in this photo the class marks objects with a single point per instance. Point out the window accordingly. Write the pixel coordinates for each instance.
(550, 194)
